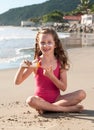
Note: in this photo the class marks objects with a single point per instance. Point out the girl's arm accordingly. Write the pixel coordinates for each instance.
(60, 83)
(23, 73)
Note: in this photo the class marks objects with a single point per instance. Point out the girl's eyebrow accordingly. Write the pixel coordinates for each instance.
(42, 42)
(48, 41)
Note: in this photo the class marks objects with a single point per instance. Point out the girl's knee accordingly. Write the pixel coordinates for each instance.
(31, 100)
(82, 94)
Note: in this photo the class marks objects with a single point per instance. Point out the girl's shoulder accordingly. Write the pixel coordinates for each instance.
(58, 63)
(60, 67)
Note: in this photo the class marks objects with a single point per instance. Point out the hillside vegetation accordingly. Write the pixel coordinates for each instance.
(16, 15)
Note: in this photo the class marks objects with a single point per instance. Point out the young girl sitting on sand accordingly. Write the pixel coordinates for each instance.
(50, 67)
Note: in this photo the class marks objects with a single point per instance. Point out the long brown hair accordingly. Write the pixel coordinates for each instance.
(59, 51)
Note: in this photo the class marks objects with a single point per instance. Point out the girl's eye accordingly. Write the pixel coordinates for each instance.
(46, 44)
(49, 43)
(42, 43)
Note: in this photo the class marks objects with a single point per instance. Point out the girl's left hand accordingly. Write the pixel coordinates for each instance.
(48, 71)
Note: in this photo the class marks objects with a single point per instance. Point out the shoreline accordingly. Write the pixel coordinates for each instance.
(16, 115)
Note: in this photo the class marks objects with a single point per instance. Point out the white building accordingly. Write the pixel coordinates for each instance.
(87, 19)
(27, 23)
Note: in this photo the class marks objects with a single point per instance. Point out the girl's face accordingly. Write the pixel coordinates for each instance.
(46, 44)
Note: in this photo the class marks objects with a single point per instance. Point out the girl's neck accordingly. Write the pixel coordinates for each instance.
(48, 58)
(49, 61)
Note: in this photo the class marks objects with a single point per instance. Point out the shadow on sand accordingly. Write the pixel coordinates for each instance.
(85, 115)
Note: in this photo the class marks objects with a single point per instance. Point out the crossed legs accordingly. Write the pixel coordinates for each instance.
(64, 103)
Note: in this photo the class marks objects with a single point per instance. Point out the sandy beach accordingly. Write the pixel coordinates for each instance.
(16, 115)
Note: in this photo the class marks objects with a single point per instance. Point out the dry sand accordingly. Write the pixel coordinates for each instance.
(16, 115)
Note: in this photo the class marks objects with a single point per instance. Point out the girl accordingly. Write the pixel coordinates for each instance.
(50, 76)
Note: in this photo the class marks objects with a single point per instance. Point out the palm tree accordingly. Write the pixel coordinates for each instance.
(85, 2)
(84, 6)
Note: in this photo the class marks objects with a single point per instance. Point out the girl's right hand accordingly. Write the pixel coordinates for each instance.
(26, 63)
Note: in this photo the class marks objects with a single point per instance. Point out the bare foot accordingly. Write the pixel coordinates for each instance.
(40, 111)
(76, 108)
(80, 108)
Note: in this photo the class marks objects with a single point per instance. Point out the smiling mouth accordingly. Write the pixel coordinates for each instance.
(46, 50)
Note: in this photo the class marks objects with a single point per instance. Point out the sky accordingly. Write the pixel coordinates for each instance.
(5, 5)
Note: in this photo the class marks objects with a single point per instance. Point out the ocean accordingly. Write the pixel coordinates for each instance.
(17, 44)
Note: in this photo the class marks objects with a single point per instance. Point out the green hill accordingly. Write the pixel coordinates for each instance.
(16, 15)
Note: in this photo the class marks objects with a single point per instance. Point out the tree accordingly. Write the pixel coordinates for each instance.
(55, 16)
(84, 6)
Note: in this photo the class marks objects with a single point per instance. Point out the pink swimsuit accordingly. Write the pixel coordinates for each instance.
(45, 88)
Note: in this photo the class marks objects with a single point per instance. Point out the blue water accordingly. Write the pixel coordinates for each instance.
(16, 44)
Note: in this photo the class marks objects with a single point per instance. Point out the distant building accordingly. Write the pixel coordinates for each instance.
(48, 24)
(87, 19)
(27, 23)
(73, 19)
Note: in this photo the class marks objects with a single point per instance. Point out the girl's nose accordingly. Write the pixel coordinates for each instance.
(45, 45)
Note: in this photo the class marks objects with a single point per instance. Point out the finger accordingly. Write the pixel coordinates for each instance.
(27, 62)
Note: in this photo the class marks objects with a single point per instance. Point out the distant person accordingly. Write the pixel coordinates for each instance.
(50, 67)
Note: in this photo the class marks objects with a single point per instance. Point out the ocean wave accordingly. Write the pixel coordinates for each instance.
(15, 37)
(25, 50)
(15, 59)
